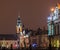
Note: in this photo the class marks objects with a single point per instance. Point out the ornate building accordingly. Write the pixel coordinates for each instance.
(39, 40)
(53, 19)
(23, 39)
(54, 26)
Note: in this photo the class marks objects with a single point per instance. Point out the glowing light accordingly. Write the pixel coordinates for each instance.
(58, 5)
(17, 29)
(21, 29)
(57, 43)
(15, 46)
(34, 45)
(52, 9)
(49, 18)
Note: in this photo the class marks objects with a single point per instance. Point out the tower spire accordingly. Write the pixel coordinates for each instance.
(18, 14)
(19, 24)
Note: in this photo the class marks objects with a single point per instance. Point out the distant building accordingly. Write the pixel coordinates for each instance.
(54, 22)
(54, 26)
(23, 38)
(7, 39)
(40, 40)
(19, 39)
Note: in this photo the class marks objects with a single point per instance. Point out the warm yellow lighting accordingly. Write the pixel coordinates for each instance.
(17, 28)
(58, 5)
(57, 43)
(52, 9)
(21, 29)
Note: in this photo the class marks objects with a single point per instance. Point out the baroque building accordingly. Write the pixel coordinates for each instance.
(23, 38)
(54, 26)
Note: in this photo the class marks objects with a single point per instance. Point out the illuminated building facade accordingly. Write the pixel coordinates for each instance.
(23, 39)
(54, 26)
(19, 39)
(39, 40)
(53, 21)
(7, 39)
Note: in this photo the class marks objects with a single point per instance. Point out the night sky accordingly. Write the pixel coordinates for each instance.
(33, 14)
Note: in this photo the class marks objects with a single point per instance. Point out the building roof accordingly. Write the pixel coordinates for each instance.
(8, 37)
